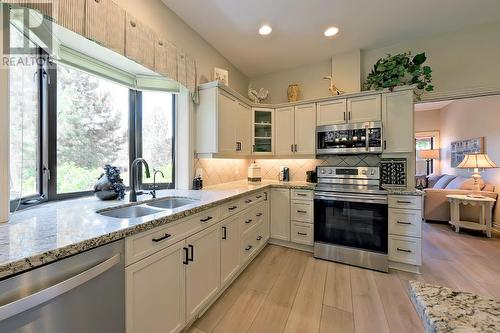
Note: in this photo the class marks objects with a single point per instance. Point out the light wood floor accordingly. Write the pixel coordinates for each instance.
(286, 290)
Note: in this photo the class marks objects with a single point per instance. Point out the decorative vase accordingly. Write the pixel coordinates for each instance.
(293, 92)
(109, 186)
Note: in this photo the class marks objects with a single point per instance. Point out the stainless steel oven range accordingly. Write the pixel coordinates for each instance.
(351, 217)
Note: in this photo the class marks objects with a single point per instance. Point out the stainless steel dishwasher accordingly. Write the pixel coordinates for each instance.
(82, 293)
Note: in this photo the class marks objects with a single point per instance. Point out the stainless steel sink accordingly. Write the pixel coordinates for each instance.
(129, 212)
(172, 202)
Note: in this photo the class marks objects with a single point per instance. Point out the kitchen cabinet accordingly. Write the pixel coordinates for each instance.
(398, 122)
(280, 214)
(71, 15)
(203, 270)
(155, 292)
(223, 125)
(96, 14)
(115, 28)
(332, 112)
(363, 109)
(263, 131)
(305, 129)
(295, 130)
(285, 131)
(229, 249)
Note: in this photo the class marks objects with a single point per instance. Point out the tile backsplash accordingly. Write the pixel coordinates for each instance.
(217, 171)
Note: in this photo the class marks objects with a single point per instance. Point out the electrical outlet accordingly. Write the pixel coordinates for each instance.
(199, 172)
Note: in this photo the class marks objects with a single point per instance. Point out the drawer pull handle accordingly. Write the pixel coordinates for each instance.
(248, 201)
(404, 250)
(248, 221)
(259, 214)
(259, 196)
(259, 238)
(301, 233)
(233, 207)
(248, 248)
(207, 219)
(224, 233)
(404, 202)
(406, 223)
(302, 211)
(302, 194)
(159, 239)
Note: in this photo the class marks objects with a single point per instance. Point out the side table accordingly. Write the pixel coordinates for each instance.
(485, 212)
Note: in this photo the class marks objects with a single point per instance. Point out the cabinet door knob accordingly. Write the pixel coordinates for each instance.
(133, 24)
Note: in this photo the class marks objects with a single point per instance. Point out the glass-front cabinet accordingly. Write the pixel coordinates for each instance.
(263, 131)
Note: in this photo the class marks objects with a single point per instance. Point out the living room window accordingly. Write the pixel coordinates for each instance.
(426, 141)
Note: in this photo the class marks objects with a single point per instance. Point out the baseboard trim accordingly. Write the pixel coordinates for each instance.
(404, 267)
(291, 245)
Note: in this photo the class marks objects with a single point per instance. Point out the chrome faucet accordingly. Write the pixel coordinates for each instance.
(155, 187)
(134, 184)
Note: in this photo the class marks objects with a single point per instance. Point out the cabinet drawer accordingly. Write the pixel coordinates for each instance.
(253, 217)
(302, 233)
(302, 195)
(231, 208)
(407, 250)
(146, 243)
(254, 199)
(405, 222)
(302, 211)
(250, 243)
(405, 201)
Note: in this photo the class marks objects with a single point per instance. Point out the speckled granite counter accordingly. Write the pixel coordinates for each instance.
(52, 231)
(398, 191)
(445, 310)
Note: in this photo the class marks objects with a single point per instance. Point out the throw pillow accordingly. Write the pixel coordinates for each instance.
(433, 179)
(456, 184)
(443, 182)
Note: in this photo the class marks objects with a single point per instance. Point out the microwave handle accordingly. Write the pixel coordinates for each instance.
(367, 144)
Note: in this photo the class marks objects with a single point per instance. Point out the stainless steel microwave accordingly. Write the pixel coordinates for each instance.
(353, 138)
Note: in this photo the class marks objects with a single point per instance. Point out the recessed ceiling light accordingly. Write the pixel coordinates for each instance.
(265, 30)
(332, 31)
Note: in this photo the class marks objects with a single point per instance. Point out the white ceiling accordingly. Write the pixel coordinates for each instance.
(432, 105)
(298, 25)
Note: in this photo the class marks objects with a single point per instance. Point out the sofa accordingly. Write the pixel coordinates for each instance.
(436, 205)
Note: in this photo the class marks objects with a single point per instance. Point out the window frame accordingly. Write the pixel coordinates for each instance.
(435, 144)
(47, 145)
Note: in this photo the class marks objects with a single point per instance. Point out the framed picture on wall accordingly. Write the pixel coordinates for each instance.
(460, 148)
(221, 75)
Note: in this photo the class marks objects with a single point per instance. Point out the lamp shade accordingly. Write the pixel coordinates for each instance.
(480, 161)
(429, 154)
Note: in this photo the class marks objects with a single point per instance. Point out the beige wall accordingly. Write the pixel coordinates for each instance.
(471, 118)
(156, 14)
(428, 120)
(464, 62)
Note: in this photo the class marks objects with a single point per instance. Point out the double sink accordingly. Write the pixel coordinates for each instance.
(146, 209)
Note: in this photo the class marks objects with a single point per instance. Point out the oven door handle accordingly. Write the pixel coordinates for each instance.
(351, 198)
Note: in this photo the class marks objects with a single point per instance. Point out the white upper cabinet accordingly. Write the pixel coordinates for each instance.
(242, 133)
(366, 108)
(227, 123)
(398, 121)
(96, 18)
(285, 131)
(155, 292)
(305, 129)
(203, 270)
(332, 112)
(263, 131)
(115, 28)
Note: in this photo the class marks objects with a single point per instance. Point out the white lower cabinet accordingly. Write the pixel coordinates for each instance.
(203, 270)
(280, 214)
(155, 292)
(229, 249)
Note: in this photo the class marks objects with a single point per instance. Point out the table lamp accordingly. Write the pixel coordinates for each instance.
(478, 162)
(429, 155)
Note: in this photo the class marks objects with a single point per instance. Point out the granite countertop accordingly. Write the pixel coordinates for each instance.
(404, 191)
(446, 310)
(55, 230)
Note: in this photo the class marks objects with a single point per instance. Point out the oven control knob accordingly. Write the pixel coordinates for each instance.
(330, 171)
(363, 172)
(322, 171)
(372, 172)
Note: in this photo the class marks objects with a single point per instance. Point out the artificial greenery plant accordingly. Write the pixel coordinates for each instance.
(399, 70)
